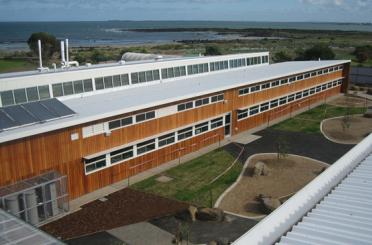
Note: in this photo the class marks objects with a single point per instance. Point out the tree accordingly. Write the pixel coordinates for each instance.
(282, 147)
(319, 51)
(49, 44)
(282, 56)
(212, 50)
(363, 53)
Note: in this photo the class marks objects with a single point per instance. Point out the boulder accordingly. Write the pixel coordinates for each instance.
(193, 210)
(260, 169)
(269, 204)
(210, 214)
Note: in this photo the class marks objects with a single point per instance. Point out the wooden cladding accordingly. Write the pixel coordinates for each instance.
(55, 150)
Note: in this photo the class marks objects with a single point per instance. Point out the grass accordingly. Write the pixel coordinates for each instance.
(15, 65)
(191, 180)
(309, 122)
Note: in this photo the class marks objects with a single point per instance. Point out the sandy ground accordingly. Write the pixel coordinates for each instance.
(350, 101)
(337, 129)
(287, 176)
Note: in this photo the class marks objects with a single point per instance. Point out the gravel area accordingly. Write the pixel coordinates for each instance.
(350, 101)
(203, 232)
(312, 145)
(286, 176)
(123, 207)
(351, 131)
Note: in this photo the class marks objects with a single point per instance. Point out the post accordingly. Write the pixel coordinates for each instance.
(40, 59)
(67, 55)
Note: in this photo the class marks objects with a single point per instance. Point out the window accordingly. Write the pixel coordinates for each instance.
(44, 92)
(265, 86)
(339, 82)
(291, 97)
(122, 122)
(237, 63)
(95, 163)
(184, 133)
(196, 69)
(108, 82)
(329, 85)
(283, 81)
(242, 114)
(201, 102)
(318, 89)
(283, 100)
(300, 77)
(243, 91)
(142, 77)
(78, 87)
(312, 91)
(7, 98)
(264, 106)
(307, 75)
(145, 146)
(324, 86)
(185, 106)
(216, 123)
(20, 96)
(217, 98)
(292, 79)
(254, 110)
(298, 95)
(145, 116)
(313, 74)
(320, 72)
(116, 80)
(88, 85)
(265, 59)
(32, 94)
(99, 83)
(57, 90)
(124, 79)
(275, 83)
(121, 155)
(325, 71)
(331, 69)
(134, 77)
(166, 139)
(273, 103)
(218, 65)
(255, 88)
(68, 88)
(201, 128)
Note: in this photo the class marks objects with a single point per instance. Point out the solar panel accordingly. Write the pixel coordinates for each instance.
(32, 113)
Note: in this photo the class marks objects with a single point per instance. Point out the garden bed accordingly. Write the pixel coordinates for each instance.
(287, 176)
(347, 130)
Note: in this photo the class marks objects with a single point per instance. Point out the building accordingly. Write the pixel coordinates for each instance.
(96, 125)
(334, 208)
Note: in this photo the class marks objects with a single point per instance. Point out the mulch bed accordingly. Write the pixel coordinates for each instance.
(123, 207)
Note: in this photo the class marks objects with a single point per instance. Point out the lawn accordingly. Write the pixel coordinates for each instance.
(15, 65)
(309, 122)
(191, 180)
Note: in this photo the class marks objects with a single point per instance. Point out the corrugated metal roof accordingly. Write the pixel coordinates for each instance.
(15, 231)
(108, 104)
(344, 216)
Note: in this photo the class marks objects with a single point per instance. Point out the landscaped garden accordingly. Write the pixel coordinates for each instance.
(191, 181)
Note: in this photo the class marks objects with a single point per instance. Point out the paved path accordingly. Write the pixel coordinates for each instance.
(313, 145)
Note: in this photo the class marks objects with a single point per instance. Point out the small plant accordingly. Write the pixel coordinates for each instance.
(282, 147)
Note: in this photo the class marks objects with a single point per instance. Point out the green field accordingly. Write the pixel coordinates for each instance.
(190, 180)
(15, 65)
(309, 122)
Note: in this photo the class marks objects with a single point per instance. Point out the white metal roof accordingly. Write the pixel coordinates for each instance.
(15, 231)
(334, 208)
(344, 216)
(99, 106)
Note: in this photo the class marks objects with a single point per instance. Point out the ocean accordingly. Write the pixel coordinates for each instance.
(13, 35)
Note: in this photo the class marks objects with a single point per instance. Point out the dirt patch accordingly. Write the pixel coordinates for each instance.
(287, 176)
(351, 131)
(350, 101)
(123, 207)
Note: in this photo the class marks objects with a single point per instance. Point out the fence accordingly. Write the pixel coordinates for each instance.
(361, 75)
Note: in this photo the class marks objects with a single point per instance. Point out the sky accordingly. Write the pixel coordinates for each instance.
(230, 10)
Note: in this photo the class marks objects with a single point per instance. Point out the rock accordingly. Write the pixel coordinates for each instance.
(260, 169)
(210, 214)
(193, 210)
(269, 204)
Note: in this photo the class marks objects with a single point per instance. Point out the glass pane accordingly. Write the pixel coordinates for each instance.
(67, 88)
(78, 87)
(108, 82)
(99, 83)
(88, 86)
(7, 98)
(134, 77)
(149, 76)
(177, 72)
(32, 94)
(20, 95)
(124, 79)
(164, 73)
(142, 77)
(117, 81)
(156, 74)
(170, 72)
(44, 92)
